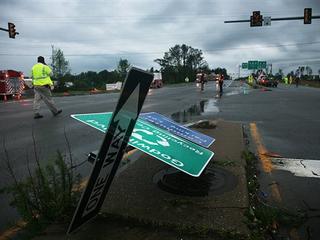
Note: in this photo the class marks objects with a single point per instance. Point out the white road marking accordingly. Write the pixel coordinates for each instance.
(17, 101)
(299, 167)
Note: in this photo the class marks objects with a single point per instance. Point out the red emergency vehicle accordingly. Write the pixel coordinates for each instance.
(11, 84)
(157, 81)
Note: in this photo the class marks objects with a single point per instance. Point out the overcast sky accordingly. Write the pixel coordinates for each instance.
(95, 34)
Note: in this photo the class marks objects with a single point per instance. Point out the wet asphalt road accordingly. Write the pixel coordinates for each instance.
(287, 118)
(50, 133)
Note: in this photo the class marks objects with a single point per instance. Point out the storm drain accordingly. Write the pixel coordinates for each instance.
(211, 182)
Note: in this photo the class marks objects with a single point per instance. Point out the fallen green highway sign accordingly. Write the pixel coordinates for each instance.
(182, 154)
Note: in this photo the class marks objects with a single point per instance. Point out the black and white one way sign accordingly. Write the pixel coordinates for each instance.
(122, 122)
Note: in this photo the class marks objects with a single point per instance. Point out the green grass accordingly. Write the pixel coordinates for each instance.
(261, 216)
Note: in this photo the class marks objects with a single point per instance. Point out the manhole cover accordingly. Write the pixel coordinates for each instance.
(211, 182)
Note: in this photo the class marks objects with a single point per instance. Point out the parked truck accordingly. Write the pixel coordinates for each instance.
(11, 84)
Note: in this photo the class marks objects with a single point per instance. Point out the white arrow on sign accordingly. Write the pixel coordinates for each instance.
(162, 142)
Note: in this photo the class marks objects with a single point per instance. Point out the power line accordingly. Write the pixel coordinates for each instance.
(153, 53)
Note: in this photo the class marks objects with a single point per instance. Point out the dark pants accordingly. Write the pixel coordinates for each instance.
(221, 87)
(43, 93)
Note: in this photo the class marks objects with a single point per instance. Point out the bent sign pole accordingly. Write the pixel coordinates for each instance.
(122, 122)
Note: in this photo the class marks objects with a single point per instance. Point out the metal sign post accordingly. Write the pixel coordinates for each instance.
(121, 125)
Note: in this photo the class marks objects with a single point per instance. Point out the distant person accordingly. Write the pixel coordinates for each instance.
(186, 79)
(202, 81)
(221, 79)
(217, 82)
(43, 85)
(290, 79)
(298, 79)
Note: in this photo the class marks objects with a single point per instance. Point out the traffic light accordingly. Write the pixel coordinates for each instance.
(307, 16)
(256, 19)
(12, 30)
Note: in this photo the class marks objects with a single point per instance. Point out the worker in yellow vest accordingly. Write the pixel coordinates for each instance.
(249, 78)
(42, 85)
(290, 79)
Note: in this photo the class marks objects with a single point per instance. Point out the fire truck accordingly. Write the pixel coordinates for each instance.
(11, 84)
(157, 80)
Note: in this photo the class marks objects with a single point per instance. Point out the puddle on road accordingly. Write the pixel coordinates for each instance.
(205, 107)
(235, 92)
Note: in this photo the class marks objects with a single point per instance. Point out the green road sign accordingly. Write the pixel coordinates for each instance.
(244, 65)
(262, 64)
(253, 65)
(182, 154)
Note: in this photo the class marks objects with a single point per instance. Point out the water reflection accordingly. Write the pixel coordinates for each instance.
(205, 107)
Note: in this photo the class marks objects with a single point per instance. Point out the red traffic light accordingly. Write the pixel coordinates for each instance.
(12, 30)
(307, 18)
(256, 19)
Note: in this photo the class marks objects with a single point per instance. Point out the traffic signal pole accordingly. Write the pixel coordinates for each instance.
(11, 30)
(274, 19)
(3, 29)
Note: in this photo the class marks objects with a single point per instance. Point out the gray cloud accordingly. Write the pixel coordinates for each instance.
(95, 35)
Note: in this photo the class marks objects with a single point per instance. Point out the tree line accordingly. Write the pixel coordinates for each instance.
(305, 73)
(179, 62)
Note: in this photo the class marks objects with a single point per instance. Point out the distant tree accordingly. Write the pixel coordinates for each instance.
(182, 56)
(60, 66)
(308, 70)
(123, 67)
(279, 74)
(221, 71)
(181, 61)
(301, 70)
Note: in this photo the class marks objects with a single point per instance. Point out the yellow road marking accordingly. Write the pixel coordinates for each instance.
(10, 233)
(267, 167)
(275, 193)
(265, 160)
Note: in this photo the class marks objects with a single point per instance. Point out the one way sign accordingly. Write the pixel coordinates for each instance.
(122, 122)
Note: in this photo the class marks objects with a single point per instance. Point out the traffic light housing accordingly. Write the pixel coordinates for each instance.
(12, 30)
(256, 19)
(307, 16)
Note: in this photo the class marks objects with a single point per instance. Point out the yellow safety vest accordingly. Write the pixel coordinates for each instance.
(41, 75)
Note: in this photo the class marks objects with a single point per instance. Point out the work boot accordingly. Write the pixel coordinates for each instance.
(37, 116)
(57, 113)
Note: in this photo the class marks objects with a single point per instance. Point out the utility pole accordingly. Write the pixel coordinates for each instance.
(52, 60)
